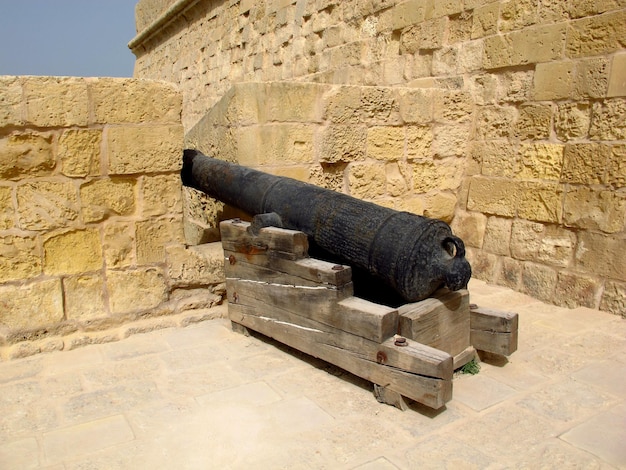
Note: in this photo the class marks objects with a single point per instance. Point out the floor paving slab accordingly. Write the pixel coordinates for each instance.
(203, 397)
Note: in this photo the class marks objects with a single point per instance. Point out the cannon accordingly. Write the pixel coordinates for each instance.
(413, 255)
(277, 286)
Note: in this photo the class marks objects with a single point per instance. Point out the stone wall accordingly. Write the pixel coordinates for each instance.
(91, 213)
(542, 199)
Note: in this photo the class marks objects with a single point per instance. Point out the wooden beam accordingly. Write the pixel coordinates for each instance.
(494, 331)
(441, 321)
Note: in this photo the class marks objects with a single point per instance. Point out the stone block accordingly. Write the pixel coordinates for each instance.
(614, 298)
(118, 244)
(497, 236)
(84, 297)
(538, 281)
(414, 205)
(470, 227)
(597, 35)
(445, 61)
(161, 194)
(31, 306)
(572, 120)
(127, 100)
(453, 106)
(431, 33)
(79, 152)
(342, 104)
(385, 143)
(343, 143)
(617, 78)
(416, 106)
(470, 57)
(7, 210)
(547, 244)
(396, 178)
(517, 14)
(516, 86)
(495, 122)
(534, 122)
(440, 206)
(74, 252)
(607, 121)
(460, 27)
(541, 161)
(407, 13)
(135, 290)
(532, 45)
(585, 163)
(485, 20)
(367, 180)
(541, 202)
(107, 197)
(616, 167)
(509, 273)
(553, 80)
(152, 235)
(275, 144)
(419, 140)
(576, 290)
(591, 79)
(56, 101)
(437, 175)
(379, 106)
(300, 173)
(45, 205)
(10, 101)
(439, 8)
(144, 149)
(28, 153)
(593, 209)
(201, 265)
(494, 196)
(496, 157)
(20, 258)
(601, 254)
(484, 265)
(451, 139)
(294, 102)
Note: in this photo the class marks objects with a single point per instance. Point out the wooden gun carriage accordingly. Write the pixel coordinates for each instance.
(407, 350)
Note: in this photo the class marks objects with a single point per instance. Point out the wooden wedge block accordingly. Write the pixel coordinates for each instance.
(441, 321)
(494, 331)
(289, 244)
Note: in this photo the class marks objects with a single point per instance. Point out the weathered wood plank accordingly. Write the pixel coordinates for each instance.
(310, 270)
(464, 357)
(493, 320)
(494, 331)
(431, 392)
(289, 244)
(504, 344)
(442, 322)
(331, 306)
(415, 358)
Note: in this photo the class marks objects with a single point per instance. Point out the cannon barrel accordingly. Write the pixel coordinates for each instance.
(414, 255)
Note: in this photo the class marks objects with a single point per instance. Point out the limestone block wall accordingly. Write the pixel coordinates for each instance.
(398, 147)
(542, 201)
(91, 211)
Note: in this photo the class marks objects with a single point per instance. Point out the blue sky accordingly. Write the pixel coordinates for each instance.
(67, 37)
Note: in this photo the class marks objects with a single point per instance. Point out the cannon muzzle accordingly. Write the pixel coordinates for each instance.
(414, 255)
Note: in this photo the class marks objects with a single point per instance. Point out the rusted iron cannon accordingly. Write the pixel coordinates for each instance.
(413, 255)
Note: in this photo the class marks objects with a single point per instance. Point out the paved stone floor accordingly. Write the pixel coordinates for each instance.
(203, 397)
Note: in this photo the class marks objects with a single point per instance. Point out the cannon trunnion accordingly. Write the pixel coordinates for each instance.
(413, 255)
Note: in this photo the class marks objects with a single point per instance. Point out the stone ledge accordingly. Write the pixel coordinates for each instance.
(116, 333)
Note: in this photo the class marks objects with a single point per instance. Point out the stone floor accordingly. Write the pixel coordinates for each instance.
(204, 397)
